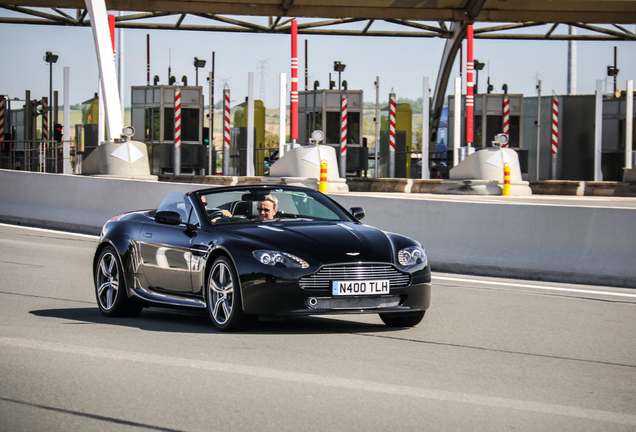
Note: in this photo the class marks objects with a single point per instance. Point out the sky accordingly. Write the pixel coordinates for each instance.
(400, 63)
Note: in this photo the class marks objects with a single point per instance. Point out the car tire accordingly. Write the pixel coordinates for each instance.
(406, 319)
(110, 286)
(223, 297)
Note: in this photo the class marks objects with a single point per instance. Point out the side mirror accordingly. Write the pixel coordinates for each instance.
(357, 212)
(168, 218)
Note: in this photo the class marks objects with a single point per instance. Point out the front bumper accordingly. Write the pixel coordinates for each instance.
(271, 295)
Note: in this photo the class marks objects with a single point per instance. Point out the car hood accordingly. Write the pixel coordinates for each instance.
(325, 242)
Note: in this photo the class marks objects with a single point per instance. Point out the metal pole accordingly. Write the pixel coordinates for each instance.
(66, 152)
(457, 120)
(392, 107)
(426, 111)
(211, 117)
(50, 102)
(148, 60)
(615, 66)
(469, 86)
(177, 132)
(226, 131)
(571, 87)
(294, 82)
(343, 136)
(250, 125)
(306, 66)
(100, 113)
(282, 115)
(598, 131)
(538, 126)
(211, 128)
(629, 121)
(555, 135)
(120, 68)
(377, 126)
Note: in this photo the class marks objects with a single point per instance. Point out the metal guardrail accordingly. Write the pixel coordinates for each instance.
(437, 160)
(34, 155)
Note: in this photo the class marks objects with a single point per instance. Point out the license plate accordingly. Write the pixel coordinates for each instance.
(363, 287)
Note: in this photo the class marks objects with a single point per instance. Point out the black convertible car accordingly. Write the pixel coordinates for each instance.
(249, 251)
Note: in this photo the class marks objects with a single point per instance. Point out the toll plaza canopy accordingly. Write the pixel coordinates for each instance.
(563, 11)
(447, 19)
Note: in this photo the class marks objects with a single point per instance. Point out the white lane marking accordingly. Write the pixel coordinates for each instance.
(321, 380)
(542, 287)
(92, 237)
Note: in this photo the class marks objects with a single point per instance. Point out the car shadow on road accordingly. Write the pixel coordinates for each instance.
(176, 321)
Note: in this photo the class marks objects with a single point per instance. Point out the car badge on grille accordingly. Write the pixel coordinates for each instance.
(353, 253)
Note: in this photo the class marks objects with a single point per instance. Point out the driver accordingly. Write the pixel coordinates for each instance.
(267, 208)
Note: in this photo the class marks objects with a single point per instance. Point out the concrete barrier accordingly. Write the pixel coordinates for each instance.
(73, 202)
(543, 242)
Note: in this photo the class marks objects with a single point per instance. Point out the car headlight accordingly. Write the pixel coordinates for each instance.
(273, 258)
(412, 255)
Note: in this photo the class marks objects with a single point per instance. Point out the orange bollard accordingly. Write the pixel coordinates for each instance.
(322, 186)
(506, 183)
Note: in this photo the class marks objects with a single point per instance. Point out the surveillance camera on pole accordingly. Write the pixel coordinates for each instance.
(500, 140)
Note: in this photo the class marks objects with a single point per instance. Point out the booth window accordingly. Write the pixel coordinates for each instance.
(353, 128)
(152, 122)
(189, 124)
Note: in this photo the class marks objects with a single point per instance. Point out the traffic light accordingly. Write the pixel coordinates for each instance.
(206, 136)
(57, 132)
(612, 71)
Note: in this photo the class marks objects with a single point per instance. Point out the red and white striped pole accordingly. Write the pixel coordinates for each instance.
(2, 104)
(45, 133)
(555, 135)
(469, 86)
(294, 82)
(392, 135)
(177, 131)
(506, 113)
(226, 131)
(343, 137)
(45, 119)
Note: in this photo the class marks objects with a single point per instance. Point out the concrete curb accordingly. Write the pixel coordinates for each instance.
(436, 186)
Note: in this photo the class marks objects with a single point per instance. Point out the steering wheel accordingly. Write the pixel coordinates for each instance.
(214, 213)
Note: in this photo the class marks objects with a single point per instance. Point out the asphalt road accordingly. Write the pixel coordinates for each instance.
(491, 354)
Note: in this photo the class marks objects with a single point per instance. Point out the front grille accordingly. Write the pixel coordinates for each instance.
(341, 303)
(322, 278)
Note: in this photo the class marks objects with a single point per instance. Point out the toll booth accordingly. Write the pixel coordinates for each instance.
(403, 141)
(488, 119)
(322, 110)
(152, 116)
(576, 131)
(238, 140)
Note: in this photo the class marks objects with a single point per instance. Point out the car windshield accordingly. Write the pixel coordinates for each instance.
(276, 204)
(176, 202)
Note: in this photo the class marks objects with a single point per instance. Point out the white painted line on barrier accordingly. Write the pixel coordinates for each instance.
(541, 287)
(92, 237)
(335, 382)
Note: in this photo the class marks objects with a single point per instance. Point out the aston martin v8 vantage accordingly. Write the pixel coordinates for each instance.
(248, 251)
